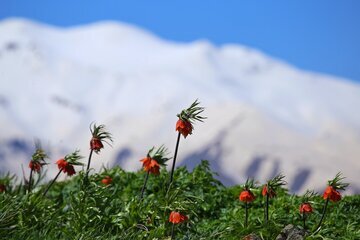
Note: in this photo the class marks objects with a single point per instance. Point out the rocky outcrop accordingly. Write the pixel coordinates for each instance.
(291, 232)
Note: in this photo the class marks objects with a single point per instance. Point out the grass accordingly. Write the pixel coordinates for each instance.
(78, 209)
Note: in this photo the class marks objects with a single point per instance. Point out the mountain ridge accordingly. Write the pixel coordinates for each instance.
(136, 86)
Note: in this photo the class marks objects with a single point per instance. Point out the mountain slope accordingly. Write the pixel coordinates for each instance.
(264, 116)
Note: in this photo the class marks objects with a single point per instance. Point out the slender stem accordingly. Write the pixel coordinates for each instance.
(52, 182)
(143, 187)
(173, 232)
(265, 212)
(88, 165)
(322, 216)
(30, 181)
(174, 160)
(267, 209)
(246, 214)
(304, 218)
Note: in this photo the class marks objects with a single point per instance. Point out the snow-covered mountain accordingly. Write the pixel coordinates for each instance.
(264, 116)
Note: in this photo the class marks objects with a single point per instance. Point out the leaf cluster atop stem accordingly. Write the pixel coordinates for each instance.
(192, 113)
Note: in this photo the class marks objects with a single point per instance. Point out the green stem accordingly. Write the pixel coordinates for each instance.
(304, 218)
(173, 232)
(52, 182)
(322, 216)
(267, 209)
(88, 165)
(246, 214)
(143, 187)
(174, 160)
(30, 181)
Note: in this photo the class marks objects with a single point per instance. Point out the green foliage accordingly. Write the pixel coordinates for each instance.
(337, 182)
(192, 113)
(73, 158)
(79, 209)
(100, 133)
(159, 154)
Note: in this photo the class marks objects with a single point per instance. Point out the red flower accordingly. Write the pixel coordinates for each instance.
(69, 169)
(184, 127)
(98, 135)
(332, 194)
(265, 191)
(35, 166)
(176, 217)
(66, 167)
(247, 196)
(61, 163)
(150, 165)
(2, 188)
(96, 144)
(107, 180)
(305, 208)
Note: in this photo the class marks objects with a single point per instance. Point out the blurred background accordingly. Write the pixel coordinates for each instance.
(279, 81)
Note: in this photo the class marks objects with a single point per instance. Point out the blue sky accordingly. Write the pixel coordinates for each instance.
(316, 35)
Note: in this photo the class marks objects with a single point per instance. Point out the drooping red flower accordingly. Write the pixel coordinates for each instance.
(98, 136)
(35, 166)
(151, 165)
(269, 191)
(2, 188)
(107, 180)
(176, 217)
(305, 208)
(184, 127)
(96, 144)
(65, 167)
(331, 193)
(247, 196)
(37, 159)
(69, 169)
(61, 163)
